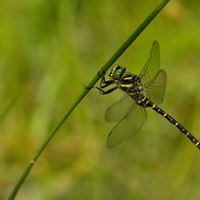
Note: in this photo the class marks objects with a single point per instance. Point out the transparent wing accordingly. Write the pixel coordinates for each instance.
(118, 110)
(128, 126)
(155, 89)
(152, 65)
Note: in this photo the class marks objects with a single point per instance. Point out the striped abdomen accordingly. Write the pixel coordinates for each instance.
(147, 103)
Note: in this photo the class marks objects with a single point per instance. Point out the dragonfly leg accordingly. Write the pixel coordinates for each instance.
(104, 83)
(104, 92)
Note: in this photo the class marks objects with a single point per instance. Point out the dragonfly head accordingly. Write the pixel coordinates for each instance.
(116, 72)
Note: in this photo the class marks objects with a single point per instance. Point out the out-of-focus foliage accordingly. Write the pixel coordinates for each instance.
(48, 51)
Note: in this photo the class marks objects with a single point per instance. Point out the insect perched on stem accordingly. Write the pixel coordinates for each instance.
(144, 91)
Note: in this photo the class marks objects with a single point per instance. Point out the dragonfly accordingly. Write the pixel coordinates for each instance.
(144, 91)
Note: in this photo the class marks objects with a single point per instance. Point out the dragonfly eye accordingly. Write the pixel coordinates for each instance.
(117, 71)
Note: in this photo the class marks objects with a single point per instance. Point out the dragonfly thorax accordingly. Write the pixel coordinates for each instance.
(132, 85)
(135, 89)
(128, 82)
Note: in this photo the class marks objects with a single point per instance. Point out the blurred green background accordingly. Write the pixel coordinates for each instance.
(48, 51)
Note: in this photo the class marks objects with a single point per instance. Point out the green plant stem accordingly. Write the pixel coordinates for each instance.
(116, 55)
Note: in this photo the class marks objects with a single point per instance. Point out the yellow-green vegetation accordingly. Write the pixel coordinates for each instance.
(48, 52)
